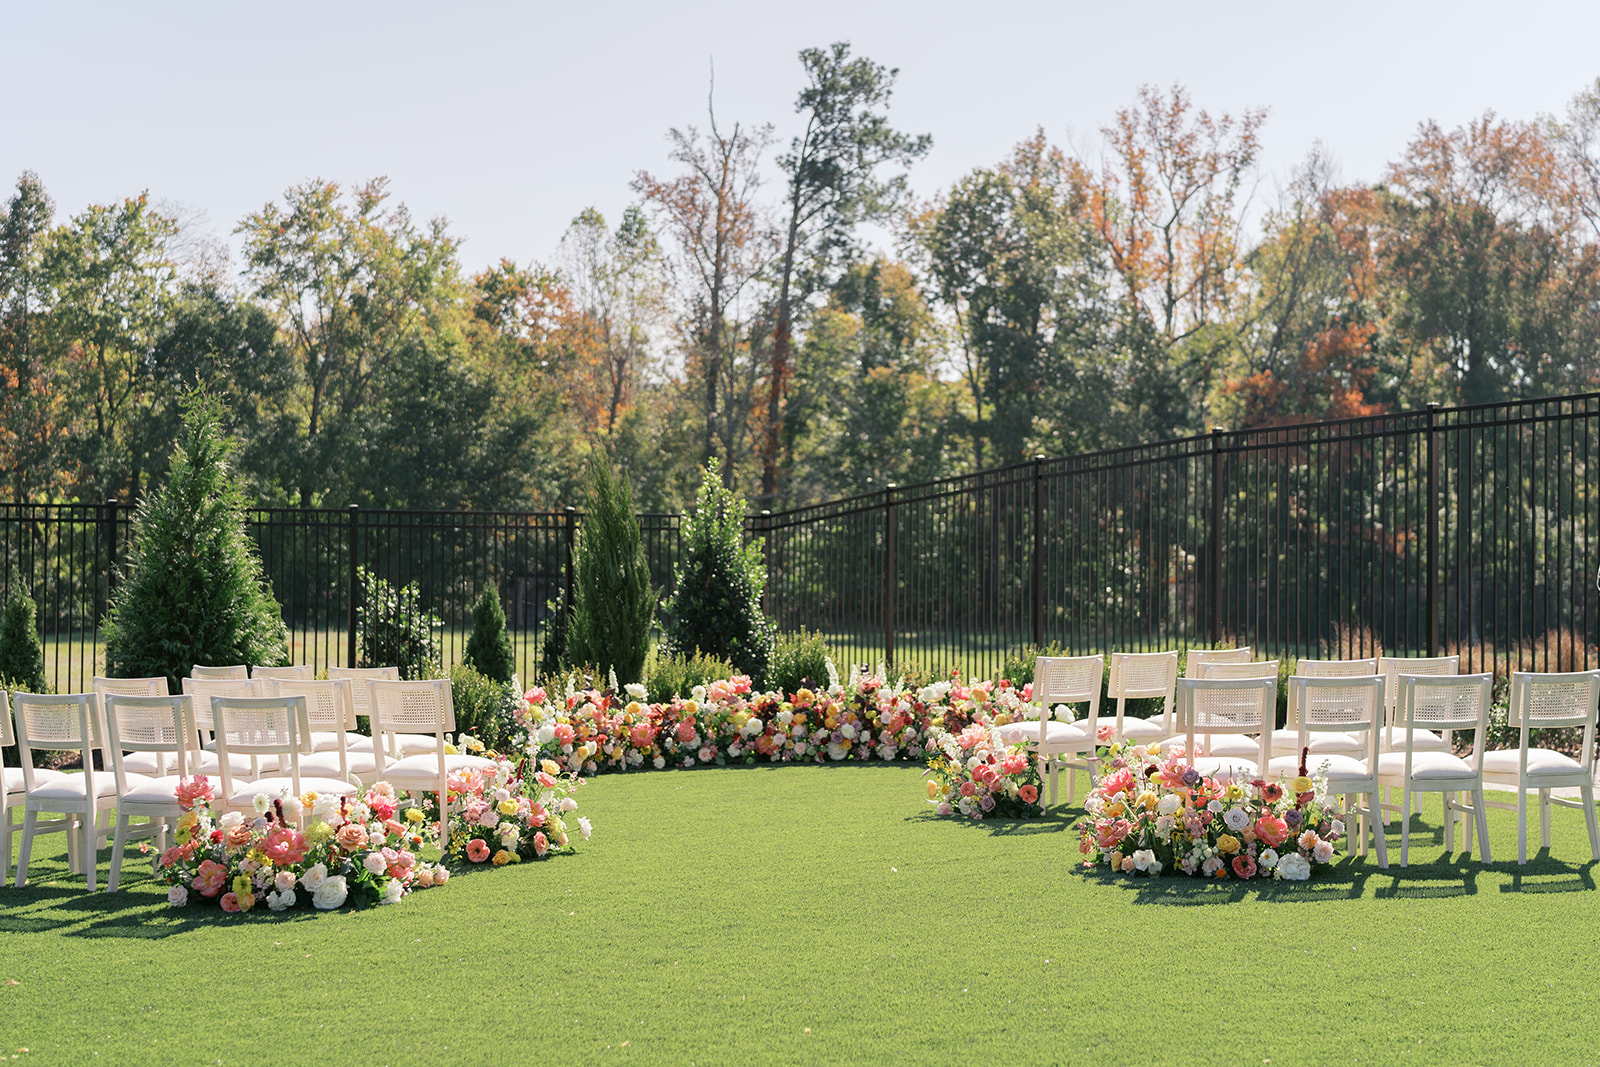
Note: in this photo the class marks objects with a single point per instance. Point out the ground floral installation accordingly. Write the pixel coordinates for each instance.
(1150, 814)
(977, 774)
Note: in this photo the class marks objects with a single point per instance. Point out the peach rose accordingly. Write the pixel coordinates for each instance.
(351, 836)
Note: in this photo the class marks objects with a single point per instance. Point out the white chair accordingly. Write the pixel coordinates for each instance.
(1061, 680)
(68, 722)
(160, 726)
(1238, 745)
(13, 790)
(1267, 668)
(332, 716)
(1286, 742)
(1196, 659)
(410, 708)
(150, 763)
(266, 727)
(1443, 703)
(1350, 709)
(200, 691)
(1139, 675)
(235, 670)
(1543, 702)
(300, 672)
(1336, 668)
(358, 677)
(1233, 706)
(1391, 667)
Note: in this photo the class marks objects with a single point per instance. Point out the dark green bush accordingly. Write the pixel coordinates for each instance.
(21, 656)
(553, 653)
(799, 660)
(716, 605)
(484, 707)
(676, 675)
(613, 604)
(489, 648)
(394, 630)
(193, 590)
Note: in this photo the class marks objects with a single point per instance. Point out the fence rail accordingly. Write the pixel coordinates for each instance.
(1469, 529)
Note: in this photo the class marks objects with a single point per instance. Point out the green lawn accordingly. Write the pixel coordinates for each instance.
(823, 914)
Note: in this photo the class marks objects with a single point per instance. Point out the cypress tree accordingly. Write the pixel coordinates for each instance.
(21, 657)
(613, 603)
(489, 648)
(193, 590)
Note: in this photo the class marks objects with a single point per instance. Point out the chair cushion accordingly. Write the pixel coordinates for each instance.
(1241, 746)
(1287, 743)
(13, 777)
(73, 787)
(1142, 729)
(1335, 765)
(328, 741)
(326, 764)
(1424, 765)
(408, 744)
(244, 795)
(425, 769)
(152, 791)
(1393, 738)
(1056, 733)
(1540, 761)
(208, 763)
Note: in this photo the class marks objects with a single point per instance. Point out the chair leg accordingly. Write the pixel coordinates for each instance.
(1379, 834)
(1405, 825)
(1449, 822)
(1483, 825)
(1522, 825)
(115, 874)
(29, 818)
(1467, 823)
(1587, 793)
(91, 861)
(1544, 818)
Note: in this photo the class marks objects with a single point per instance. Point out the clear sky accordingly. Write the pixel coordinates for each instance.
(509, 118)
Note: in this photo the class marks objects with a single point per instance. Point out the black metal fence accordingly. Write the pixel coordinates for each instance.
(1466, 529)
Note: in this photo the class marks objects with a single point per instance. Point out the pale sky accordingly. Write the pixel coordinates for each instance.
(510, 118)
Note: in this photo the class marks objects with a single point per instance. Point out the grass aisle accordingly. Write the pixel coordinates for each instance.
(822, 914)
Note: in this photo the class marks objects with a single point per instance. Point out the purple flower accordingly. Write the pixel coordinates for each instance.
(987, 803)
(1291, 818)
(1191, 777)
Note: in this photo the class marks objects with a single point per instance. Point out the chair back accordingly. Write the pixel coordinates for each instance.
(236, 670)
(1338, 704)
(1267, 668)
(8, 736)
(1139, 675)
(415, 707)
(1336, 668)
(1391, 667)
(66, 722)
(1069, 680)
(328, 704)
(1227, 706)
(358, 677)
(161, 724)
(1196, 659)
(1552, 701)
(259, 726)
(299, 672)
(1446, 703)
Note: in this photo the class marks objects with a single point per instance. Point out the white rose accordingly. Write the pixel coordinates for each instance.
(1063, 713)
(848, 731)
(1268, 859)
(568, 804)
(584, 827)
(331, 894)
(326, 807)
(1143, 858)
(1169, 804)
(177, 896)
(293, 809)
(394, 891)
(314, 876)
(279, 900)
(837, 751)
(377, 838)
(229, 820)
(1323, 852)
(508, 833)
(283, 881)
(374, 862)
(1237, 818)
(1214, 807)
(1294, 867)
(546, 734)
(1337, 829)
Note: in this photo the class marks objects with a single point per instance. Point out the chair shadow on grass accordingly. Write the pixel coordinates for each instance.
(1057, 820)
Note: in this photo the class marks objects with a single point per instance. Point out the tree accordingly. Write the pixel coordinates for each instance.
(193, 589)
(21, 657)
(29, 391)
(715, 607)
(711, 213)
(613, 604)
(489, 647)
(834, 185)
(395, 630)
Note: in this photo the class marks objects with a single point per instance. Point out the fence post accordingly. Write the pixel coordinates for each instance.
(888, 575)
(569, 535)
(1038, 552)
(1216, 535)
(764, 524)
(1434, 504)
(353, 590)
(110, 521)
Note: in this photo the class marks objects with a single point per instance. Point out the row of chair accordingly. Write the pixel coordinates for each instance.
(257, 735)
(1366, 723)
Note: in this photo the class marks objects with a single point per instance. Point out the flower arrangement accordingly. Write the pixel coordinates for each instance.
(976, 774)
(1152, 814)
(499, 818)
(353, 852)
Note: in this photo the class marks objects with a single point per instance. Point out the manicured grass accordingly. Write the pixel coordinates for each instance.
(823, 914)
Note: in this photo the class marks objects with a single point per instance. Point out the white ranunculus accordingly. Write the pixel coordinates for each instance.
(1169, 804)
(1268, 859)
(314, 876)
(326, 807)
(635, 691)
(584, 827)
(1215, 807)
(1294, 867)
(374, 862)
(178, 896)
(279, 900)
(659, 762)
(230, 819)
(331, 894)
(848, 731)
(1237, 818)
(394, 891)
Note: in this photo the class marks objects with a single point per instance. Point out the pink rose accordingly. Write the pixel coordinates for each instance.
(351, 836)
(565, 734)
(1244, 866)
(286, 847)
(541, 844)
(477, 850)
(1028, 793)
(230, 901)
(967, 789)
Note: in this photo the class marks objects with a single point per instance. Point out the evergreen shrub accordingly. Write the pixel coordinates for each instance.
(613, 604)
(489, 648)
(394, 630)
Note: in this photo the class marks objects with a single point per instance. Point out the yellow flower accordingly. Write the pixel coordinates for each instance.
(1147, 801)
(933, 790)
(633, 709)
(1153, 749)
(188, 820)
(246, 901)
(1116, 748)
(505, 807)
(1228, 843)
(503, 857)
(309, 800)
(242, 886)
(691, 707)
(1302, 784)
(1116, 810)
(1002, 719)
(550, 767)
(1234, 791)
(740, 718)
(449, 749)
(319, 832)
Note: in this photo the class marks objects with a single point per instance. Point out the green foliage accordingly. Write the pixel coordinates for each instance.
(193, 590)
(613, 604)
(489, 647)
(394, 630)
(716, 607)
(485, 707)
(799, 660)
(21, 655)
(1018, 666)
(677, 675)
(553, 653)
